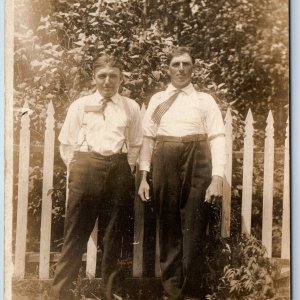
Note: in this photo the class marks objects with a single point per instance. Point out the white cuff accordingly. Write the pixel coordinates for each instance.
(146, 153)
(144, 166)
(132, 155)
(218, 170)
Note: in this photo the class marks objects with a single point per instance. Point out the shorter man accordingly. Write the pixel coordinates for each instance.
(184, 130)
(97, 129)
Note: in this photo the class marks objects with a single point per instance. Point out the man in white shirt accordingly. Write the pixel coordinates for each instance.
(184, 137)
(100, 142)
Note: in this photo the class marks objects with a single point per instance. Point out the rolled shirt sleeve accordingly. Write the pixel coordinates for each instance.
(72, 124)
(69, 133)
(216, 136)
(149, 134)
(146, 153)
(149, 127)
(218, 155)
(135, 135)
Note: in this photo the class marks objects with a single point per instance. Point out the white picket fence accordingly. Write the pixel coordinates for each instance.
(137, 271)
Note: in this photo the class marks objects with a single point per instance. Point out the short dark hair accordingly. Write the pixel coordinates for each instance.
(105, 60)
(177, 51)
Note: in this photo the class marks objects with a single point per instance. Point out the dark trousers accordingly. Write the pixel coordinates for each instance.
(98, 186)
(181, 175)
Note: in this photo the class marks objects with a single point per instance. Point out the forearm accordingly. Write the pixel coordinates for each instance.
(132, 155)
(144, 175)
(218, 155)
(146, 154)
(134, 136)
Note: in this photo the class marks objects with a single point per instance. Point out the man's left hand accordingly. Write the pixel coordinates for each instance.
(215, 189)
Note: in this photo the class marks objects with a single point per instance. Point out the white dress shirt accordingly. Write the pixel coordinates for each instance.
(106, 133)
(192, 113)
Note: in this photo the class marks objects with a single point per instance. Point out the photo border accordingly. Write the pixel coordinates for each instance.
(2, 152)
(295, 145)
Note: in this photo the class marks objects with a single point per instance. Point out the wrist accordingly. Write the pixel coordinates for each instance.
(144, 175)
(217, 178)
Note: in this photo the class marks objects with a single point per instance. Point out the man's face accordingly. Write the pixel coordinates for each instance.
(108, 80)
(180, 70)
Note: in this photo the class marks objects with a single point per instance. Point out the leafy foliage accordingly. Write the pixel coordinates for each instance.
(237, 268)
(241, 47)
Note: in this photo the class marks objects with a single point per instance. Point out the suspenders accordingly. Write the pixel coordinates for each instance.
(84, 146)
(126, 133)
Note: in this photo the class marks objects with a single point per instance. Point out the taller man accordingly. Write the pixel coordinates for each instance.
(184, 131)
(97, 132)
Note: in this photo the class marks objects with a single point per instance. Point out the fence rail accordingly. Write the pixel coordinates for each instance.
(44, 257)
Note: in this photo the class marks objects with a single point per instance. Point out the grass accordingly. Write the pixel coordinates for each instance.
(136, 289)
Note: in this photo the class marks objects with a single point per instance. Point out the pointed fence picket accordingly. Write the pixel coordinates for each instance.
(91, 253)
(285, 245)
(138, 234)
(139, 218)
(46, 197)
(268, 186)
(247, 175)
(226, 204)
(23, 186)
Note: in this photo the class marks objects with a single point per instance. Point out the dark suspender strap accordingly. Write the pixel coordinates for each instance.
(129, 117)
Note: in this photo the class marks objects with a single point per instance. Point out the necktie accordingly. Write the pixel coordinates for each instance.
(103, 106)
(162, 108)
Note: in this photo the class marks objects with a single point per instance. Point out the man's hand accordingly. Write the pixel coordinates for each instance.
(144, 188)
(215, 189)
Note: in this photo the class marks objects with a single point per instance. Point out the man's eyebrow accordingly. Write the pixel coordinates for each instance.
(107, 74)
(179, 62)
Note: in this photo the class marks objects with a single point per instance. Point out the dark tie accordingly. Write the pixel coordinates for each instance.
(162, 108)
(103, 105)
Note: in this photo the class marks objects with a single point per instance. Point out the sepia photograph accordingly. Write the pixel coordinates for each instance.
(147, 150)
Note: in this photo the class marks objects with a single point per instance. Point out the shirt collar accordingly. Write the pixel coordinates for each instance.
(189, 89)
(115, 98)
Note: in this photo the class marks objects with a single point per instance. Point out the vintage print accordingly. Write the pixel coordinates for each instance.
(147, 151)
